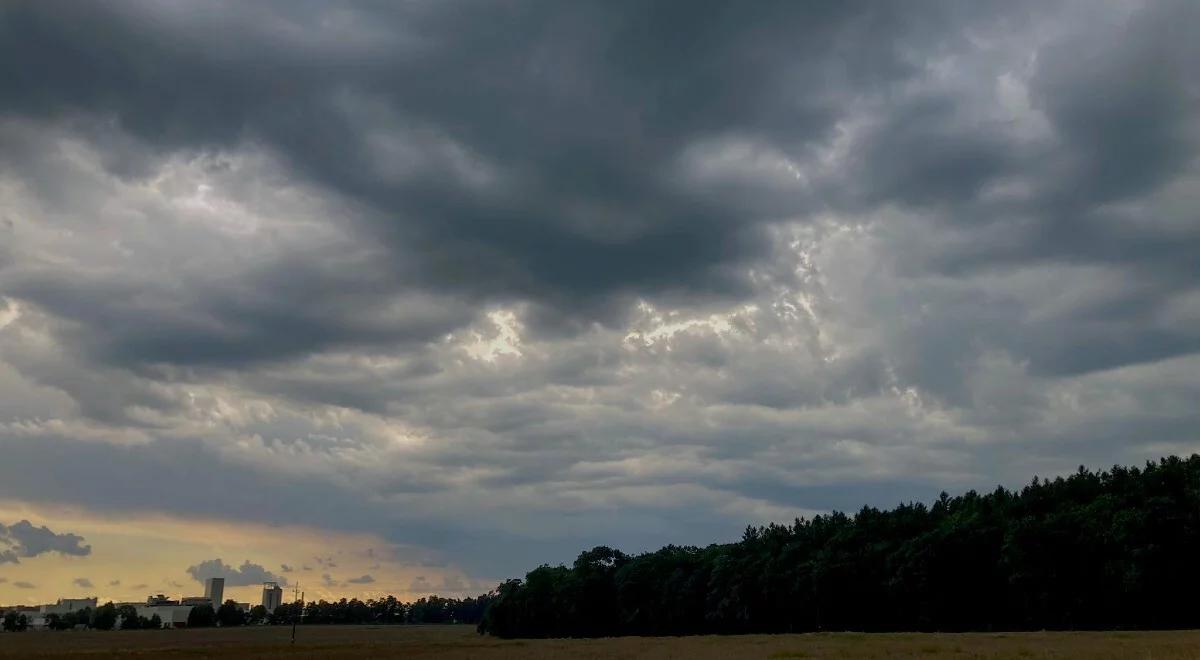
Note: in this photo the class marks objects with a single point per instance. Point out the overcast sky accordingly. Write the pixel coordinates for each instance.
(433, 292)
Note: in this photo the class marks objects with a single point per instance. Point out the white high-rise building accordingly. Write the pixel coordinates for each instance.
(214, 591)
(272, 596)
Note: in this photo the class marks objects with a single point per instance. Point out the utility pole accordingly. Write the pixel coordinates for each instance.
(297, 602)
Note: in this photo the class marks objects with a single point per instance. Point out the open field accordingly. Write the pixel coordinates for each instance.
(461, 642)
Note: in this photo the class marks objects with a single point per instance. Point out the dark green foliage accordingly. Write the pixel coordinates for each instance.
(15, 622)
(386, 610)
(129, 618)
(284, 613)
(258, 614)
(202, 616)
(105, 617)
(228, 614)
(131, 621)
(1115, 549)
(433, 609)
(69, 620)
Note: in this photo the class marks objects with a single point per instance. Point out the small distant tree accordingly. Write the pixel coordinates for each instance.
(284, 612)
(69, 620)
(105, 617)
(154, 622)
(14, 622)
(202, 616)
(79, 617)
(229, 614)
(129, 617)
(258, 614)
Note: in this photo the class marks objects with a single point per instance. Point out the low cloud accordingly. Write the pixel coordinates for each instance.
(285, 568)
(365, 579)
(449, 583)
(419, 583)
(83, 583)
(22, 540)
(21, 584)
(453, 583)
(242, 576)
(114, 583)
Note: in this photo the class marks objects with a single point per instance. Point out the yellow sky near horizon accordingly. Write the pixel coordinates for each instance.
(136, 555)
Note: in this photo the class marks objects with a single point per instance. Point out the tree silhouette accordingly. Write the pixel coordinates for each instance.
(229, 614)
(1111, 549)
(202, 616)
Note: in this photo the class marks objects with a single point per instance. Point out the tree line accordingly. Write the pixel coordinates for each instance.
(104, 617)
(385, 610)
(388, 610)
(1095, 550)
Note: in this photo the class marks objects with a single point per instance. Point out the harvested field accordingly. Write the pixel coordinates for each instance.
(461, 642)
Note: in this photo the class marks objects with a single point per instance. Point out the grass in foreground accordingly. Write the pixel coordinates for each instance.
(461, 642)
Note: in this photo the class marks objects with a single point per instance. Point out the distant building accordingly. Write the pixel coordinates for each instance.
(214, 590)
(196, 601)
(38, 615)
(159, 599)
(172, 616)
(272, 596)
(68, 605)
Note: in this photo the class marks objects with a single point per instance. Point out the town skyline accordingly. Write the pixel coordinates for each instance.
(121, 564)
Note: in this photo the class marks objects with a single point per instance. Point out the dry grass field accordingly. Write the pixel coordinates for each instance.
(461, 642)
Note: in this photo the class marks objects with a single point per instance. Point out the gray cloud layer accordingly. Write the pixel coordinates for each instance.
(22, 540)
(502, 279)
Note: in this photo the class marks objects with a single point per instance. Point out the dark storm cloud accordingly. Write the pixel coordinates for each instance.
(1123, 103)
(288, 312)
(539, 143)
(531, 151)
(23, 539)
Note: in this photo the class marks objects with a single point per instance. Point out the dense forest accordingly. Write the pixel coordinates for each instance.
(1115, 549)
